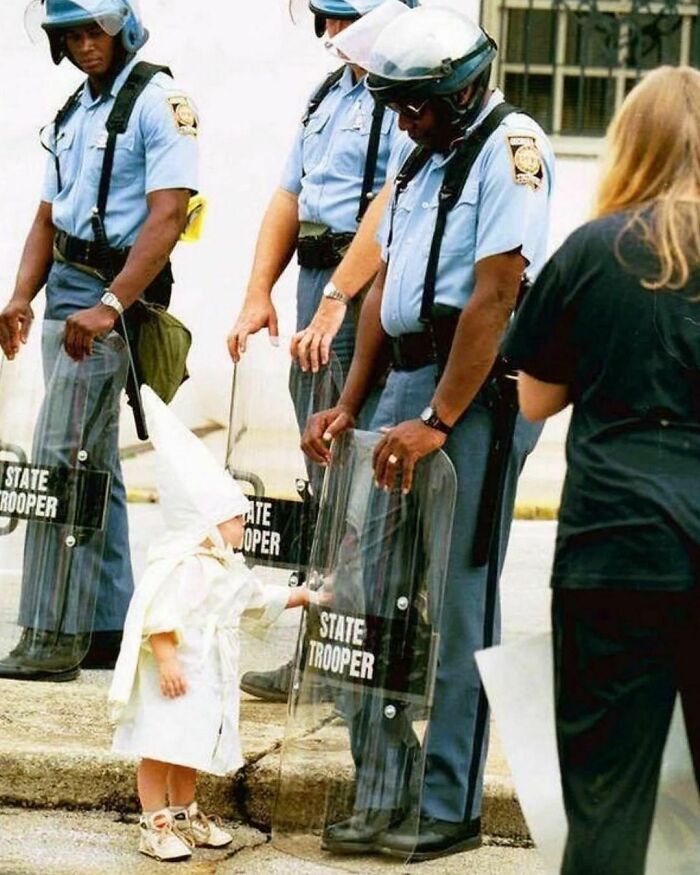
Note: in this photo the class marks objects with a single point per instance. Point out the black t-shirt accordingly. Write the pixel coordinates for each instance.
(630, 512)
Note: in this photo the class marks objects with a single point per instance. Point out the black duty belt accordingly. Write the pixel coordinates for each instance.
(86, 252)
(324, 250)
(416, 350)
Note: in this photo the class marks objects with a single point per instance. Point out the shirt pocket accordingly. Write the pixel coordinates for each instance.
(460, 229)
(312, 141)
(351, 153)
(61, 149)
(400, 213)
(126, 161)
(63, 143)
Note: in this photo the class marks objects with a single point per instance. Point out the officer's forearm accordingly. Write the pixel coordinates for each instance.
(479, 333)
(156, 240)
(370, 357)
(277, 241)
(362, 259)
(37, 256)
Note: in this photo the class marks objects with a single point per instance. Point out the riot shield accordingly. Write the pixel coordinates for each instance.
(518, 679)
(362, 692)
(58, 438)
(272, 399)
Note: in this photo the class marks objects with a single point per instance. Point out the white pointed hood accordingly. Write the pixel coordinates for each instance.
(195, 492)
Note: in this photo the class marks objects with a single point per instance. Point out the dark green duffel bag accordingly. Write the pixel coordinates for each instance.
(160, 344)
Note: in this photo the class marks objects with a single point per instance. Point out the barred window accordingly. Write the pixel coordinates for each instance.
(570, 63)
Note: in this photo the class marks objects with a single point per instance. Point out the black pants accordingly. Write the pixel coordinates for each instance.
(620, 658)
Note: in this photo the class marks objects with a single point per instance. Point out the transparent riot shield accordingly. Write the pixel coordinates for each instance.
(58, 442)
(518, 679)
(272, 399)
(362, 692)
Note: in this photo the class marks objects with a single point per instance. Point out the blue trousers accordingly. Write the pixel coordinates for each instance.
(456, 745)
(68, 290)
(309, 294)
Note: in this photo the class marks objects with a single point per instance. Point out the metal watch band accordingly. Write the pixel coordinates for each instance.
(330, 291)
(109, 299)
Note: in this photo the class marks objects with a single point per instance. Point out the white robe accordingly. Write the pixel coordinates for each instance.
(200, 594)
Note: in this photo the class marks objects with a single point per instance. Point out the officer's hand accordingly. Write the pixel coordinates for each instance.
(15, 322)
(84, 326)
(395, 456)
(311, 347)
(321, 429)
(250, 320)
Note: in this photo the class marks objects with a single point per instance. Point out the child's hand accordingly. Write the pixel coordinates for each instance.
(172, 680)
(302, 596)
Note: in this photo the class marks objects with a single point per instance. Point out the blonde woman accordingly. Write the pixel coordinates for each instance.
(612, 326)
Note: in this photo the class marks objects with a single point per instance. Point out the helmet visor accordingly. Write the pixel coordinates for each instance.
(354, 44)
(34, 17)
(110, 15)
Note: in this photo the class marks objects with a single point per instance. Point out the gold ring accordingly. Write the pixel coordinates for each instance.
(393, 460)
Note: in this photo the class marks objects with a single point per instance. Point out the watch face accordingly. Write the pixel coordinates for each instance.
(426, 414)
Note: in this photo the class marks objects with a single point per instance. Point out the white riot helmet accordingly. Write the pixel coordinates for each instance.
(115, 17)
(432, 52)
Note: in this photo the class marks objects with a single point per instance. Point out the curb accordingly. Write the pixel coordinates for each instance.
(524, 511)
(98, 780)
(55, 753)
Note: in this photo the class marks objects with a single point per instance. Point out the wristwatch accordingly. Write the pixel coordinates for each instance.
(330, 291)
(430, 418)
(109, 299)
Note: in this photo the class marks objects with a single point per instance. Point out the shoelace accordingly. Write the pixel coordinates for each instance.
(172, 829)
(207, 820)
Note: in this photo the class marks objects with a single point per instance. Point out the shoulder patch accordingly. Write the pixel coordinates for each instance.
(526, 160)
(185, 116)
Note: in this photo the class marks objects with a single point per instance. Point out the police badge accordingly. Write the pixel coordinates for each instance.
(526, 159)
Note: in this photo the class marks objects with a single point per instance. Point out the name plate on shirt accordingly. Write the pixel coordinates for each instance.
(278, 532)
(54, 494)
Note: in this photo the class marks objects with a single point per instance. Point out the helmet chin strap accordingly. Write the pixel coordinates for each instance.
(465, 114)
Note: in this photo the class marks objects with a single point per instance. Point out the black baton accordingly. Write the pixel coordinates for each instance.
(132, 382)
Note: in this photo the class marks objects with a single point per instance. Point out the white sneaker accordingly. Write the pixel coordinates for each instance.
(158, 838)
(199, 830)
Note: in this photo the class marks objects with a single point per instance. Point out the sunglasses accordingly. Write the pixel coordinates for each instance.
(412, 111)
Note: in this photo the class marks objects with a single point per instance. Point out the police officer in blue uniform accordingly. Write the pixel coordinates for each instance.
(449, 280)
(334, 180)
(153, 176)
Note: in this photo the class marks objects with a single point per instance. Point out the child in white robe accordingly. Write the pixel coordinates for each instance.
(175, 694)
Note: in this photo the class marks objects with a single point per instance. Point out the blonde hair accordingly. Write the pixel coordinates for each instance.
(653, 169)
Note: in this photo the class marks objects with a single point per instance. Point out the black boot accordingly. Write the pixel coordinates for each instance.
(270, 686)
(43, 656)
(434, 838)
(362, 833)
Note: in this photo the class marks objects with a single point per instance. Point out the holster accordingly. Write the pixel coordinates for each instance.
(502, 400)
(319, 248)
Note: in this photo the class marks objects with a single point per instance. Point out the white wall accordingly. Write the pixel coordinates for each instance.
(250, 70)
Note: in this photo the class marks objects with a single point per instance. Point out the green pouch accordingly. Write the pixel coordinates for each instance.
(162, 344)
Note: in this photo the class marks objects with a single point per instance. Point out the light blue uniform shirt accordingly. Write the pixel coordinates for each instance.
(157, 151)
(497, 212)
(327, 163)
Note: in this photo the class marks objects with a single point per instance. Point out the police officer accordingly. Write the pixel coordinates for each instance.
(334, 178)
(153, 175)
(447, 286)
